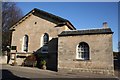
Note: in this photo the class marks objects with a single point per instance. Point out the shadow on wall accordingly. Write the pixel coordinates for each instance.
(7, 75)
(116, 60)
(117, 65)
(51, 57)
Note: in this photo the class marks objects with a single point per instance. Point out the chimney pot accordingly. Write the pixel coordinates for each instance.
(105, 25)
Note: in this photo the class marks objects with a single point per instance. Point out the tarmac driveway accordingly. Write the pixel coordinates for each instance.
(27, 73)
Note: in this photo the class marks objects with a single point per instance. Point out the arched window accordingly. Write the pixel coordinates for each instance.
(83, 51)
(25, 43)
(45, 39)
(44, 43)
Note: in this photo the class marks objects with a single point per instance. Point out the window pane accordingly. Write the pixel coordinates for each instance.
(83, 51)
(45, 43)
(26, 43)
(79, 55)
(45, 38)
(82, 54)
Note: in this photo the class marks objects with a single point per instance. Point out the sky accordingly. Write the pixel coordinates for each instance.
(83, 15)
(60, 0)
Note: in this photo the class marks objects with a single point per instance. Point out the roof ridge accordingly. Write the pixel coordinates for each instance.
(49, 13)
(55, 19)
(86, 32)
(88, 29)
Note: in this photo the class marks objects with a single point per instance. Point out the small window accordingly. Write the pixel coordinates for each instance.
(83, 51)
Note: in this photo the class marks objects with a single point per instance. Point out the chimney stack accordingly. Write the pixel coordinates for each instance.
(105, 25)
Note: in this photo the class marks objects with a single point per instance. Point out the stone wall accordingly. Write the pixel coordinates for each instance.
(34, 27)
(101, 56)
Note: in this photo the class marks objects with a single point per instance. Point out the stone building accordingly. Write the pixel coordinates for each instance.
(67, 48)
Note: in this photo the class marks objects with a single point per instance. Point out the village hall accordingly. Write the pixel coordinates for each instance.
(67, 48)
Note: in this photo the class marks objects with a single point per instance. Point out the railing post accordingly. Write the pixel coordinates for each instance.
(15, 63)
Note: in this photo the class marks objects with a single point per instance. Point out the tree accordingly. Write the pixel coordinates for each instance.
(10, 15)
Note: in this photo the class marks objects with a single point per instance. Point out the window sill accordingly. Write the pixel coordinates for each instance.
(81, 59)
(44, 52)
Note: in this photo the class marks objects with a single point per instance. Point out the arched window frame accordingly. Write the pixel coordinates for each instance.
(25, 43)
(83, 51)
(45, 39)
(44, 43)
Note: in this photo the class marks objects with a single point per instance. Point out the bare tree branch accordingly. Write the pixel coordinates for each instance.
(10, 15)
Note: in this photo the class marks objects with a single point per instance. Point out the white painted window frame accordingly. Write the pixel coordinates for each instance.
(23, 40)
(42, 43)
(77, 54)
(23, 44)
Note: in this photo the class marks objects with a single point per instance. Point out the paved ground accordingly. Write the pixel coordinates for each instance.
(26, 73)
(117, 73)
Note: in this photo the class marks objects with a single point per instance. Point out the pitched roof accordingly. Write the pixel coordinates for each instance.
(86, 32)
(48, 16)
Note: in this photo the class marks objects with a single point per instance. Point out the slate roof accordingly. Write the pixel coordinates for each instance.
(86, 32)
(48, 16)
